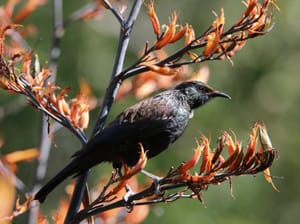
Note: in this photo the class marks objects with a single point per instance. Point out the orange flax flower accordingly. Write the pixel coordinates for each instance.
(168, 35)
(213, 38)
(153, 18)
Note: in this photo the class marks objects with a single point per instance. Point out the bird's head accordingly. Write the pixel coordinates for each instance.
(198, 93)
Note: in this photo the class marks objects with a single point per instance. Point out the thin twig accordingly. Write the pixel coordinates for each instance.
(118, 66)
(45, 141)
(54, 55)
(118, 16)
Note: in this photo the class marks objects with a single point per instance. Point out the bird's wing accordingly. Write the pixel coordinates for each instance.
(141, 121)
(119, 132)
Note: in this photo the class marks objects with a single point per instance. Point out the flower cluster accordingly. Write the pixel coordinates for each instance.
(215, 168)
(35, 84)
(215, 43)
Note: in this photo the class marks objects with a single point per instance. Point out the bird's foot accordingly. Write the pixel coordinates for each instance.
(128, 193)
(156, 181)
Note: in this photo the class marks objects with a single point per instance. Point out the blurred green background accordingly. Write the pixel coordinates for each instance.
(263, 84)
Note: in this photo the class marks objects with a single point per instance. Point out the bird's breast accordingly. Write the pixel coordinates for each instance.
(178, 123)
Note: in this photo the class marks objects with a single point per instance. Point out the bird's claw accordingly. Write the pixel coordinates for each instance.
(156, 182)
(128, 193)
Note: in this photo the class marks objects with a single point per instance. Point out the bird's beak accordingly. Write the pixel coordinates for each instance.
(216, 93)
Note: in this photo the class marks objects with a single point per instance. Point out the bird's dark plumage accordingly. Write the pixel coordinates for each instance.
(155, 122)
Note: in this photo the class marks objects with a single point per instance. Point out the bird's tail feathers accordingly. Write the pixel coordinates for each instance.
(67, 171)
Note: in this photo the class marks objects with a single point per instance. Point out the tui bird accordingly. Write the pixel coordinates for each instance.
(155, 122)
